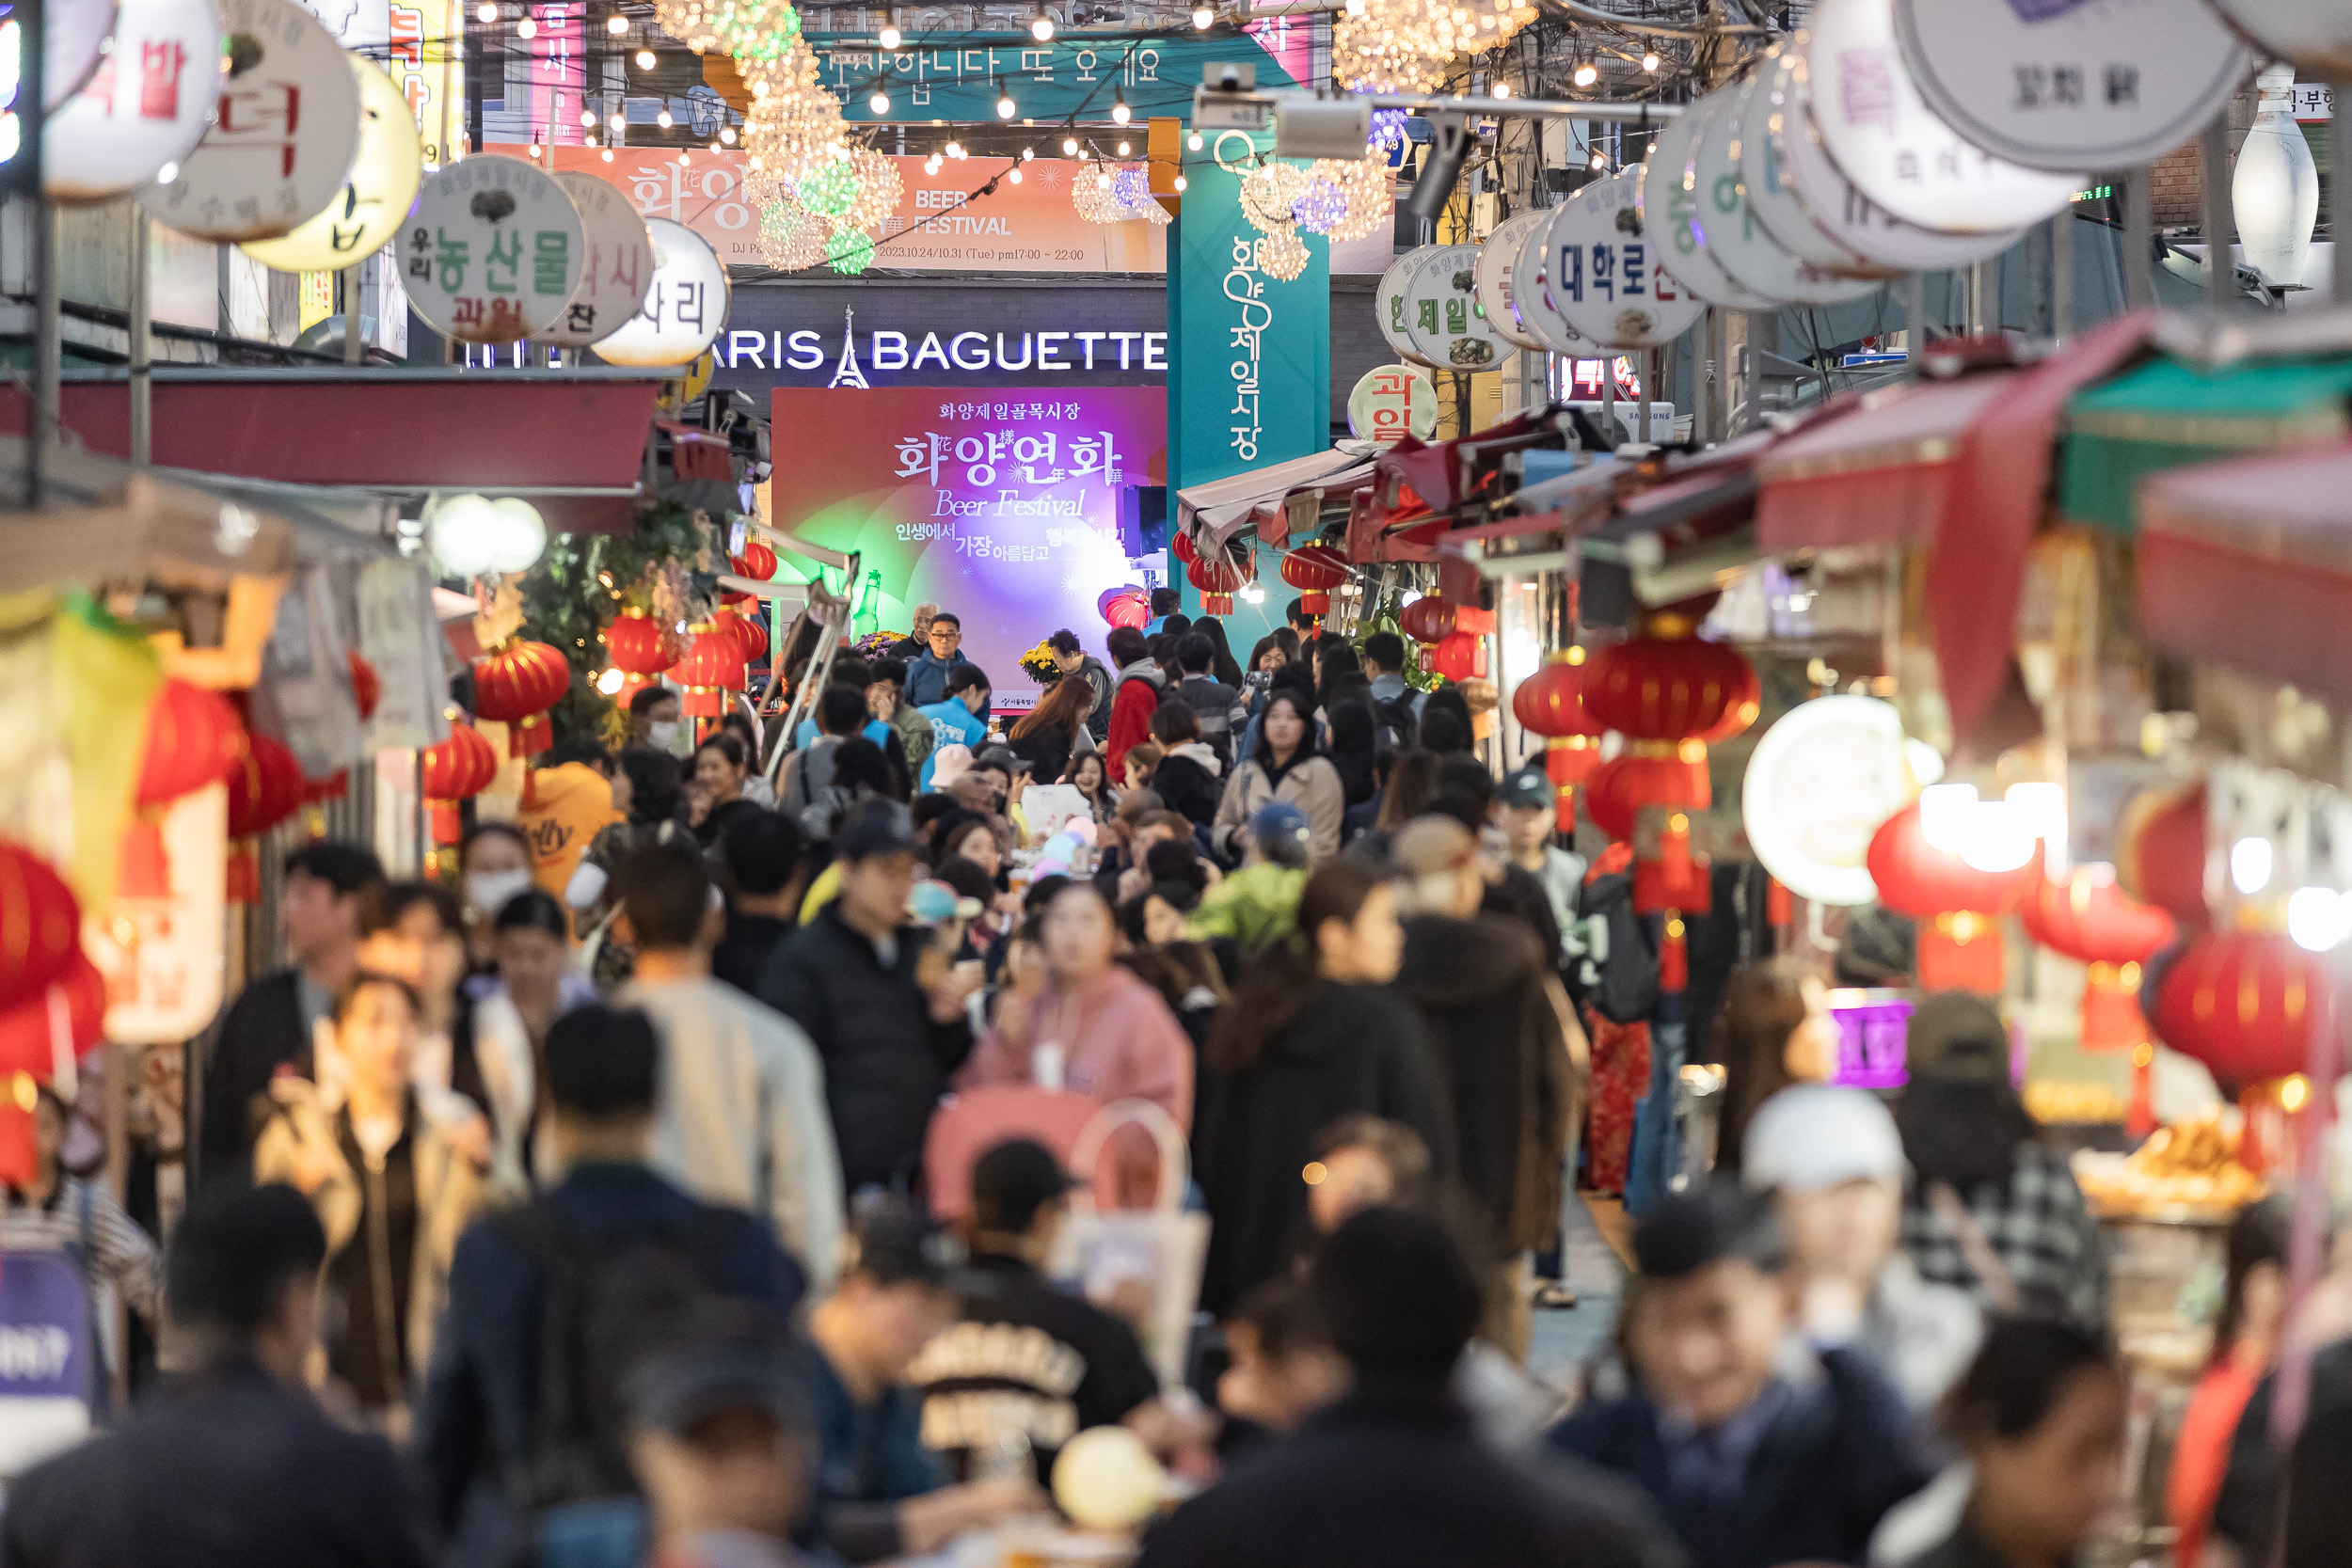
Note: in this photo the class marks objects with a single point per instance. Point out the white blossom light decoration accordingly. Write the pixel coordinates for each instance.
(1282, 255)
(790, 236)
(747, 29)
(1116, 193)
(1270, 192)
(1406, 45)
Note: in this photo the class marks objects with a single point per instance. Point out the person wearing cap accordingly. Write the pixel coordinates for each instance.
(882, 1493)
(1526, 808)
(1509, 1051)
(1283, 765)
(959, 715)
(1992, 1208)
(1833, 1164)
(1027, 1365)
(719, 1434)
(480, 1423)
(1754, 1452)
(741, 1120)
(849, 979)
(1395, 1472)
(1259, 904)
(946, 766)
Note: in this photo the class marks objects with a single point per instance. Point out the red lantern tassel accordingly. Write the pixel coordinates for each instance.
(527, 737)
(2111, 1019)
(447, 825)
(1217, 604)
(1961, 951)
(1780, 905)
(244, 875)
(1673, 958)
(2139, 1116)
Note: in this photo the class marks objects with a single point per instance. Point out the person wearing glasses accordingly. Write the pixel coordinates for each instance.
(927, 676)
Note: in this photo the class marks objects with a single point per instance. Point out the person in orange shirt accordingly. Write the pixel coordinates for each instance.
(571, 795)
(2245, 1344)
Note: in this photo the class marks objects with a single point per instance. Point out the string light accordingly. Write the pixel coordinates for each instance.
(1282, 254)
(1181, 183)
(1601, 160)
(753, 31)
(526, 29)
(663, 120)
(1029, 155)
(1117, 195)
(1042, 26)
(608, 154)
(1501, 90)
(890, 38)
(1125, 148)
(726, 134)
(1406, 46)
(1006, 107)
(587, 118)
(616, 24)
(645, 59)
(1119, 112)
(790, 236)
(1201, 18)
(1587, 73)
(1195, 142)
(1069, 147)
(930, 165)
(1649, 60)
(486, 13)
(1016, 176)
(880, 103)
(849, 250)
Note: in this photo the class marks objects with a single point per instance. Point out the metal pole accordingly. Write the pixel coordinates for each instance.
(142, 346)
(1609, 397)
(2339, 159)
(48, 346)
(2140, 281)
(354, 343)
(2221, 230)
(1650, 384)
(2062, 276)
(32, 50)
(1915, 334)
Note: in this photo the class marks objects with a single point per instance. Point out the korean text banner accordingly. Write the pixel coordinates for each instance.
(959, 76)
(1251, 368)
(1002, 506)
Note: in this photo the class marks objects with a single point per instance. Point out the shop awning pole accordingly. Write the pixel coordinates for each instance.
(142, 344)
(2339, 187)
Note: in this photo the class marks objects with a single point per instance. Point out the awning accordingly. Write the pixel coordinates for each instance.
(1223, 507)
(571, 441)
(2250, 563)
(2172, 412)
(1877, 475)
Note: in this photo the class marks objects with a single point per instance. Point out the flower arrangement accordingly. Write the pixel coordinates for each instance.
(876, 645)
(1040, 665)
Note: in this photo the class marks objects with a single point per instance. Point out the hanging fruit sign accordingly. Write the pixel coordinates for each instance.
(619, 273)
(493, 252)
(284, 133)
(145, 107)
(685, 306)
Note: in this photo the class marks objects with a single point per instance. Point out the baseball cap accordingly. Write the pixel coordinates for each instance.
(1959, 1036)
(999, 756)
(948, 764)
(893, 1243)
(1282, 832)
(1810, 1137)
(1529, 787)
(1011, 1182)
(883, 828)
(740, 1368)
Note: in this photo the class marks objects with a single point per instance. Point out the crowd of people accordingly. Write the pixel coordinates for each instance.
(582, 1213)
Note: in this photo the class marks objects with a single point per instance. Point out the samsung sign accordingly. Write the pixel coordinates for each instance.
(924, 334)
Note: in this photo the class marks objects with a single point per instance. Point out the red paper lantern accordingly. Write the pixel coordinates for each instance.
(1669, 684)
(1550, 702)
(1428, 619)
(194, 738)
(1124, 606)
(366, 687)
(1181, 545)
(757, 561)
(1746, 702)
(40, 924)
(639, 645)
(74, 1001)
(1315, 571)
(748, 635)
(1958, 908)
(2245, 1003)
(2160, 851)
(264, 787)
(1218, 581)
(515, 686)
(2085, 916)
(1619, 788)
(711, 667)
(457, 770)
(1461, 657)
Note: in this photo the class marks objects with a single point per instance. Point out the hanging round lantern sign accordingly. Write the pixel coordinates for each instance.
(493, 252)
(142, 110)
(1895, 149)
(73, 40)
(1391, 402)
(1392, 305)
(284, 138)
(1607, 283)
(1498, 259)
(1791, 160)
(1673, 227)
(1820, 782)
(2316, 39)
(1531, 292)
(366, 214)
(684, 308)
(1735, 237)
(1443, 315)
(620, 270)
(2068, 87)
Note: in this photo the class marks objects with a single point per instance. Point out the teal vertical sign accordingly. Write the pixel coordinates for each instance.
(1249, 363)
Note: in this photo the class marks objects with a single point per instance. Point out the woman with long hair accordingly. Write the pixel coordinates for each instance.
(1284, 765)
(1268, 653)
(1222, 666)
(1774, 1030)
(1349, 746)
(716, 783)
(1312, 1035)
(1091, 778)
(1050, 733)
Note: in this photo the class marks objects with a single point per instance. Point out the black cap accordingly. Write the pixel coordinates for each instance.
(1957, 1036)
(893, 1243)
(881, 828)
(704, 1376)
(1011, 1182)
(1528, 786)
(1397, 1294)
(1692, 1230)
(999, 756)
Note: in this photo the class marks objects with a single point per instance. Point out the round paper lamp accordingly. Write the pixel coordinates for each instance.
(2244, 1003)
(1105, 1479)
(1315, 572)
(367, 213)
(639, 646)
(1958, 907)
(194, 738)
(39, 924)
(515, 686)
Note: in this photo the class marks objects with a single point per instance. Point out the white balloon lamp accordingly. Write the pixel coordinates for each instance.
(519, 535)
(2275, 192)
(462, 531)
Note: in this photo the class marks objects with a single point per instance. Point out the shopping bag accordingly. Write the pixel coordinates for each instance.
(1108, 1253)
(969, 1124)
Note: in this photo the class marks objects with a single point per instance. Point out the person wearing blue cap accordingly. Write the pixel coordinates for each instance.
(1257, 904)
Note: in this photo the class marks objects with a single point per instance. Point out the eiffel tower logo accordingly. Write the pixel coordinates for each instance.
(846, 373)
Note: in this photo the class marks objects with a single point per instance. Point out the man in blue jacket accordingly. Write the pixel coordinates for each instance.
(926, 676)
(1755, 1456)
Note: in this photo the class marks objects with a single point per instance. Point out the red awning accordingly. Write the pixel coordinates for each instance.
(1877, 475)
(2249, 562)
(572, 442)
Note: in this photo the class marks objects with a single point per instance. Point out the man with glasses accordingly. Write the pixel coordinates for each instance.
(926, 676)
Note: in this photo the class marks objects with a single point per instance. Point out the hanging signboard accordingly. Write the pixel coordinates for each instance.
(159, 947)
(1442, 315)
(284, 133)
(1764, 176)
(959, 75)
(685, 303)
(1531, 292)
(74, 38)
(1390, 305)
(1896, 149)
(2314, 37)
(2113, 84)
(367, 214)
(620, 267)
(142, 110)
(1745, 247)
(1606, 281)
(1498, 261)
(492, 252)
(1672, 225)
(1390, 403)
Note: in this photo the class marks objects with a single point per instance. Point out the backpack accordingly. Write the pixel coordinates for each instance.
(607, 1304)
(1398, 729)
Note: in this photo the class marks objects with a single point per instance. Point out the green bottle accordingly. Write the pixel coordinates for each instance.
(867, 621)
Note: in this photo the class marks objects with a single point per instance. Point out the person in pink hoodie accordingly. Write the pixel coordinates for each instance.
(1096, 1029)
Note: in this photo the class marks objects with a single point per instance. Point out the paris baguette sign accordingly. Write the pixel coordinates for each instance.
(866, 335)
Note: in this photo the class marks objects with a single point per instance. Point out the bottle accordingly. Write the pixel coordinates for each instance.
(868, 618)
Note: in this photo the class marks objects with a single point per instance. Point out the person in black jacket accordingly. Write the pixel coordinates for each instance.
(1393, 1476)
(1312, 1035)
(850, 980)
(269, 1025)
(231, 1464)
(1050, 734)
(1753, 1464)
(1190, 775)
(2316, 1512)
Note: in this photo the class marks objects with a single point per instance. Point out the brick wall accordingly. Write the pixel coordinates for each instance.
(2177, 186)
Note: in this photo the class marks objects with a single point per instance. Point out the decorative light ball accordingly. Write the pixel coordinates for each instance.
(1106, 1479)
(1282, 255)
(2242, 1002)
(1269, 192)
(519, 535)
(40, 924)
(1388, 128)
(827, 188)
(849, 250)
(790, 236)
(194, 738)
(879, 188)
(1131, 186)
(1320, 206)
(1406, 46)
(461, 531)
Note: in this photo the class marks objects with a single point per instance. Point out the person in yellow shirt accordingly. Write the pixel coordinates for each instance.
(572, 794)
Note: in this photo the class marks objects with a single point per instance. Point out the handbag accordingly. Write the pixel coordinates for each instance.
(1163, 1248)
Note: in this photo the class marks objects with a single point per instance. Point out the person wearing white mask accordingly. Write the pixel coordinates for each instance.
(498, 866)
(655, 718)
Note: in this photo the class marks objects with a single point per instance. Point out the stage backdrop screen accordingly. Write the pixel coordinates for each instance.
(1001, 505)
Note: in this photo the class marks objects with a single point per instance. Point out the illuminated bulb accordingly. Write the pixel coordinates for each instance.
(953, 149)
(534, 149)
(1027, 155)
(1069, 147)
(1119, 112)
(166, 174)
(616, 24)
(1600, 161)
(930, 165)
(880, 103)
(1016, 177)
(1251, 593)
(1042, 26)
(587, 118)
(890, 38)
(645, 59)
(2251, 864)
(1102, 180)
(2318, 918)
(1503, 89)
(1649, 61)
(1006, 107)
(1181, 183)
(608, 154)
(1125, 148)
(1202, 17)
(486, 12)
(526, 29)
(1586, 74)
(663, 120)
(726, 134)
(1944, 813)
(610, 682)
(1195, 142)
(681, 157)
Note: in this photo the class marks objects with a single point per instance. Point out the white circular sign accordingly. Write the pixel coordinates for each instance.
(1669, 203)
(2313, 36)
(1392, 305)
(1606, 279)
(1498, 259)
(73, 39)
(492, 251)
(374, 202)
(1819, 785)
(685, 306)
(2071, 84)
(1834, 204)
(1764, 174)
(1745, 247)
(619, 272)
(284, 134)
(142, 110)
(1390, 402)
(1881, 134)
(1443, 314)
(1531, 297)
